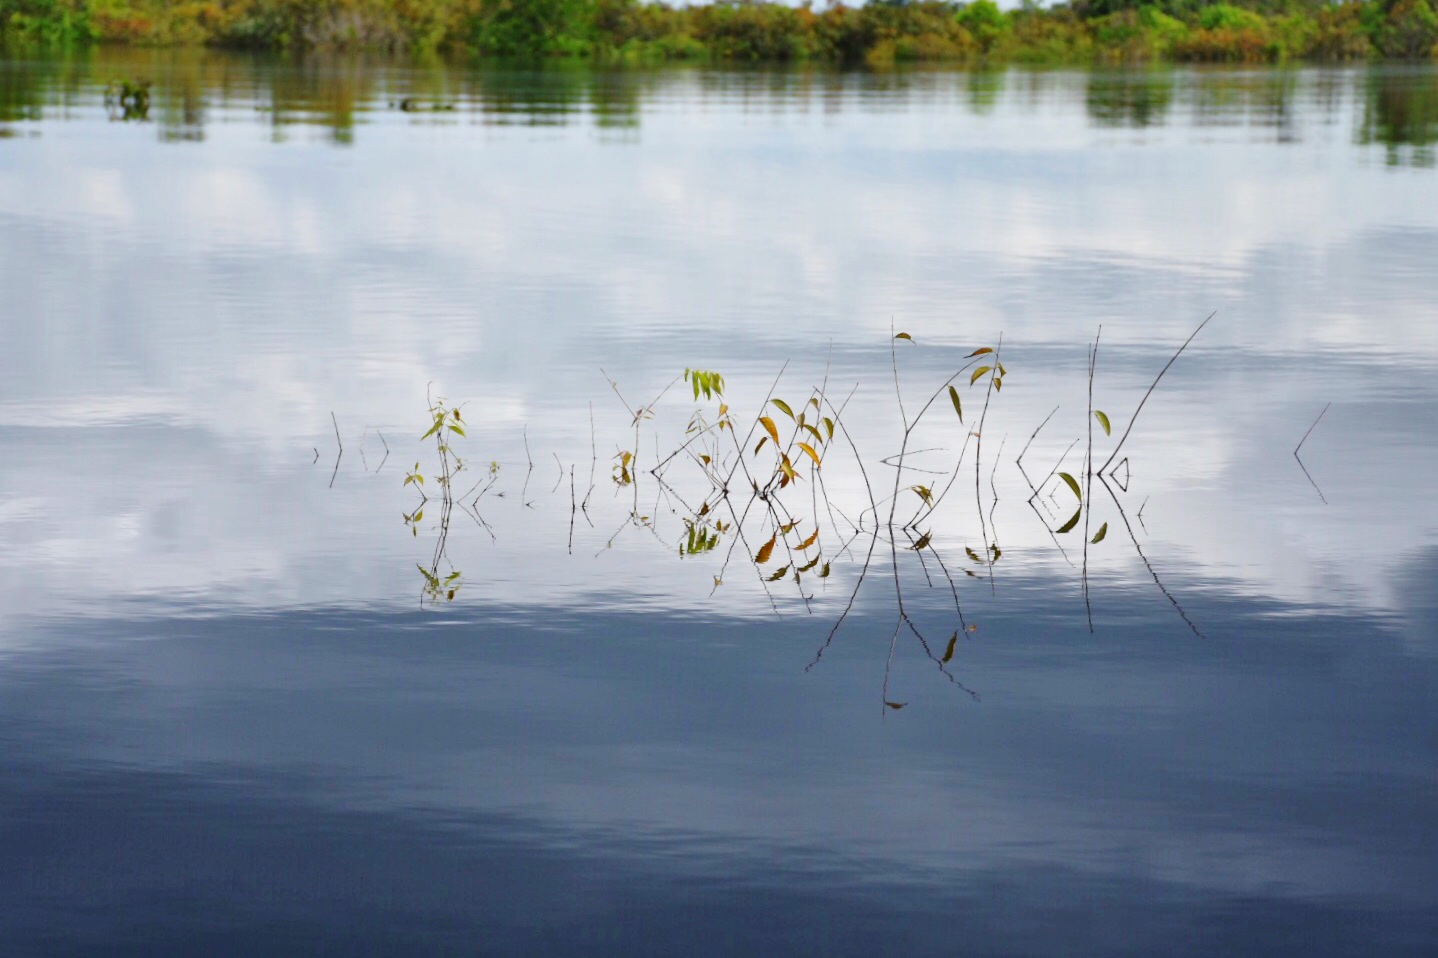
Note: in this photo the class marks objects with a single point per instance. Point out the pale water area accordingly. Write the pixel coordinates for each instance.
(260, 695)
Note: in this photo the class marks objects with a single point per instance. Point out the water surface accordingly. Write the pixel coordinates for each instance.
(232, 721)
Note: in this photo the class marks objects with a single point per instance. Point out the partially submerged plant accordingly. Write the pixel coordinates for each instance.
(128, 99)
(753, 485)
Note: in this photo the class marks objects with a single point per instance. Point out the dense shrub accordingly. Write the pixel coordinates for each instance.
(880, 33)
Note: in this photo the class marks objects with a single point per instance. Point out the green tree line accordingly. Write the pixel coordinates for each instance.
(876, 34)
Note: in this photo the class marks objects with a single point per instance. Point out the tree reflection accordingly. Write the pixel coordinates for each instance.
(1400, 112)
(1138, 98)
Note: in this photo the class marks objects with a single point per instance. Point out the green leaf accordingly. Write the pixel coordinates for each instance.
(953, 641)
(455, 429)
(779, 575)
(924, 493)
(824, 572)
(784, 408)
(1098, 536)
(1102, 421)
(958, 406)
(432, 430)
(922, 542)
(1068, 526)
(1072, 484)
(829, 426)
(904, 336)
(977, 373)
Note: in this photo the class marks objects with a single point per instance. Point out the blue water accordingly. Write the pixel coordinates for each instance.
(232, 721)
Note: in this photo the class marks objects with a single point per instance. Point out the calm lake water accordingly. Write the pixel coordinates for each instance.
(237, 717)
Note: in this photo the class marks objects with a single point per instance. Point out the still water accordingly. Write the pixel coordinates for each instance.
(873, 711)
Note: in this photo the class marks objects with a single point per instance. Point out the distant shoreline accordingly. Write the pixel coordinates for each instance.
(878, 35)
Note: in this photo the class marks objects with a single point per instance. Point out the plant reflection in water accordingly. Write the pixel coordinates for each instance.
(755, 488)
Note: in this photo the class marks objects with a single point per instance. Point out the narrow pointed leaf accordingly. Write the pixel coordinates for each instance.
(953, 641)
(770, 428)
(765, 551)
(1073, 521)
(1103, 421)
(809, 541)
(979, 352)
(812, 454)
(977, 373)
(1098, 536)
(904, 336)
(922, 542)
(783, 408)
(1072, 484)
(958, 406)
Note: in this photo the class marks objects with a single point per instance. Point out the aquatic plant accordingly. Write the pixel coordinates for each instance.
(128, 99)
(750, 488)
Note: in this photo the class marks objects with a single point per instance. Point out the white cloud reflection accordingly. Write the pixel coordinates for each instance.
(179, 323)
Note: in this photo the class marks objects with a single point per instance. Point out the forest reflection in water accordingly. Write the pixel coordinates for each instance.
(1393, 106)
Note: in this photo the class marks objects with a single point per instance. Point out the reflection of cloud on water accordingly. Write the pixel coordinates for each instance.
(229, 305)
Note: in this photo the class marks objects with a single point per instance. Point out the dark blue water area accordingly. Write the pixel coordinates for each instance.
(519, 781)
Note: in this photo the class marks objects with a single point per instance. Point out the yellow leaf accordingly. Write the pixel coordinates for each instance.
(904, 336)
(812, 454)
(770, 428)
(977, 373)
(809, 541)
